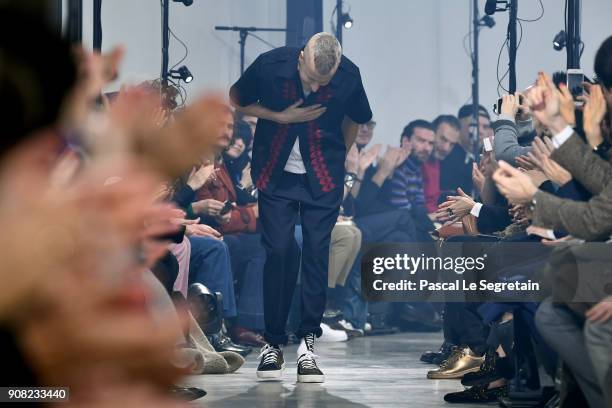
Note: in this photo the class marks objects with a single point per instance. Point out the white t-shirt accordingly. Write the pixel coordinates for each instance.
(295, 164)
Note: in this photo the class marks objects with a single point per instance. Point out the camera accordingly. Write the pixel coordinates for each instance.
(497, 107)
(575, 79)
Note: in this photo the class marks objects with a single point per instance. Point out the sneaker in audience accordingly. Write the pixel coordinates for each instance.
(271, 364)
(341, 324)
(221, 342)
(187, 393)
(307, 369)
(330, 335)
(332, 314)
(367, 327)
(492, 369)
(461, 361)
(477, 394)
(442, 354)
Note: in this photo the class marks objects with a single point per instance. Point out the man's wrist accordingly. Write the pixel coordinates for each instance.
(380, 177)
(532, 192)
(557, 124)
(194, 186)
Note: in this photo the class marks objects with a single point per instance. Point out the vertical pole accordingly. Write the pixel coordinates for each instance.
(339, 21)
(74, 30)
(573, 34)
(475, 84)
(242, 42)
(97, 25)
(513, 45)
(165, 41)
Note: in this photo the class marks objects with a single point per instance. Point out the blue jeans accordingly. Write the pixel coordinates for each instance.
(209, 265)
(248, 258)
(348, 298)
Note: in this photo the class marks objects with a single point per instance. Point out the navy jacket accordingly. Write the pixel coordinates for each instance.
(273, 81)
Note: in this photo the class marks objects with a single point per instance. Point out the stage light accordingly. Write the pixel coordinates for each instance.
(487, 21)
(187, 3)
(347, 21)
(560, 40)
(182, 73)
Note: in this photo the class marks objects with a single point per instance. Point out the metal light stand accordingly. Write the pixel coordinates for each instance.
(244, 33)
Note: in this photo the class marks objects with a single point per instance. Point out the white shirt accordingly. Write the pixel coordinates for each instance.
(295, 164)
(562, 137)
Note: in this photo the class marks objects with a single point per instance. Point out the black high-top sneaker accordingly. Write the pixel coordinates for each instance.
(493, 368)
(478, 394)
(272, 363)
(307, 370)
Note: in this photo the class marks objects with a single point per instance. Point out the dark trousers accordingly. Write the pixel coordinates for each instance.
(278, 214)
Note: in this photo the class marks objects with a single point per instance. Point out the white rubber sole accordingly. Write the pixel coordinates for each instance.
(271, 375)
(311, 378)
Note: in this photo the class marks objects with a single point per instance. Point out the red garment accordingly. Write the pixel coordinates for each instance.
(222, 189)
(431, 184)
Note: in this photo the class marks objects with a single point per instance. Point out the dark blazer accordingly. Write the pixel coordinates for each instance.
(590, 220)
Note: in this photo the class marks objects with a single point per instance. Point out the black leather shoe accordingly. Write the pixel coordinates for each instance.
(477, 394)
(442, 354)
(221, 342)
(187, 393)
(493, 368)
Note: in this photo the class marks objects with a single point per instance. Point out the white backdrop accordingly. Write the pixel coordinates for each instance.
(410, 51)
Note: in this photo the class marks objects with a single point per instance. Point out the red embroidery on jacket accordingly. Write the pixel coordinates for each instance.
(275, 148)
(324, 94)
(317, 160)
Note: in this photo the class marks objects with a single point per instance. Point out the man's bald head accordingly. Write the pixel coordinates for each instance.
(320, 60)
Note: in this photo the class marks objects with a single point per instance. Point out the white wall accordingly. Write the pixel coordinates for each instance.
(410, 51)
(214, 57)
(412, 59)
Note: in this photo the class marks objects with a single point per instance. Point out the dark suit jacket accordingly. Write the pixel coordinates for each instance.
(590, 220)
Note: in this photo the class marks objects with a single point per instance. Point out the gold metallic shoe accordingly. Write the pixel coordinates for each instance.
(460, 362)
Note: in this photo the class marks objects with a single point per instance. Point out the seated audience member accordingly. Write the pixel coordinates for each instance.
(407, 190)
(209, 258)
(456, 168)
(598, 339)
(237, 162)
(376, 217)
(365, 133)
(588, 220)
(561, 318)
(82, 312)
(217, 203)
(516, 128)
(446, 128)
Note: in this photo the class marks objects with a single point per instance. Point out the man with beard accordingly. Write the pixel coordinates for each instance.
(446, 128)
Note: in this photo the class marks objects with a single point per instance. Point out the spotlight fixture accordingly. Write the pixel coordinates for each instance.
(182, 73)
(487, 21)
(560, 40)
(187, 3)
(347, 21)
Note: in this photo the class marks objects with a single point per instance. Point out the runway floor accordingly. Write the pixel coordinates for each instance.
(377, 371)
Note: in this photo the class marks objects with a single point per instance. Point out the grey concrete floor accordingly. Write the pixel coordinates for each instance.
(377, 371)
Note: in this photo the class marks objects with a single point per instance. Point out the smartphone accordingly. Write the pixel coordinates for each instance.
(575, 78)
(227, 207)
(488, 144)
(497, 107)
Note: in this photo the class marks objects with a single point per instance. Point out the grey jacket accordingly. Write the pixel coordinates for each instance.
(590, 220)
(505, 143)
